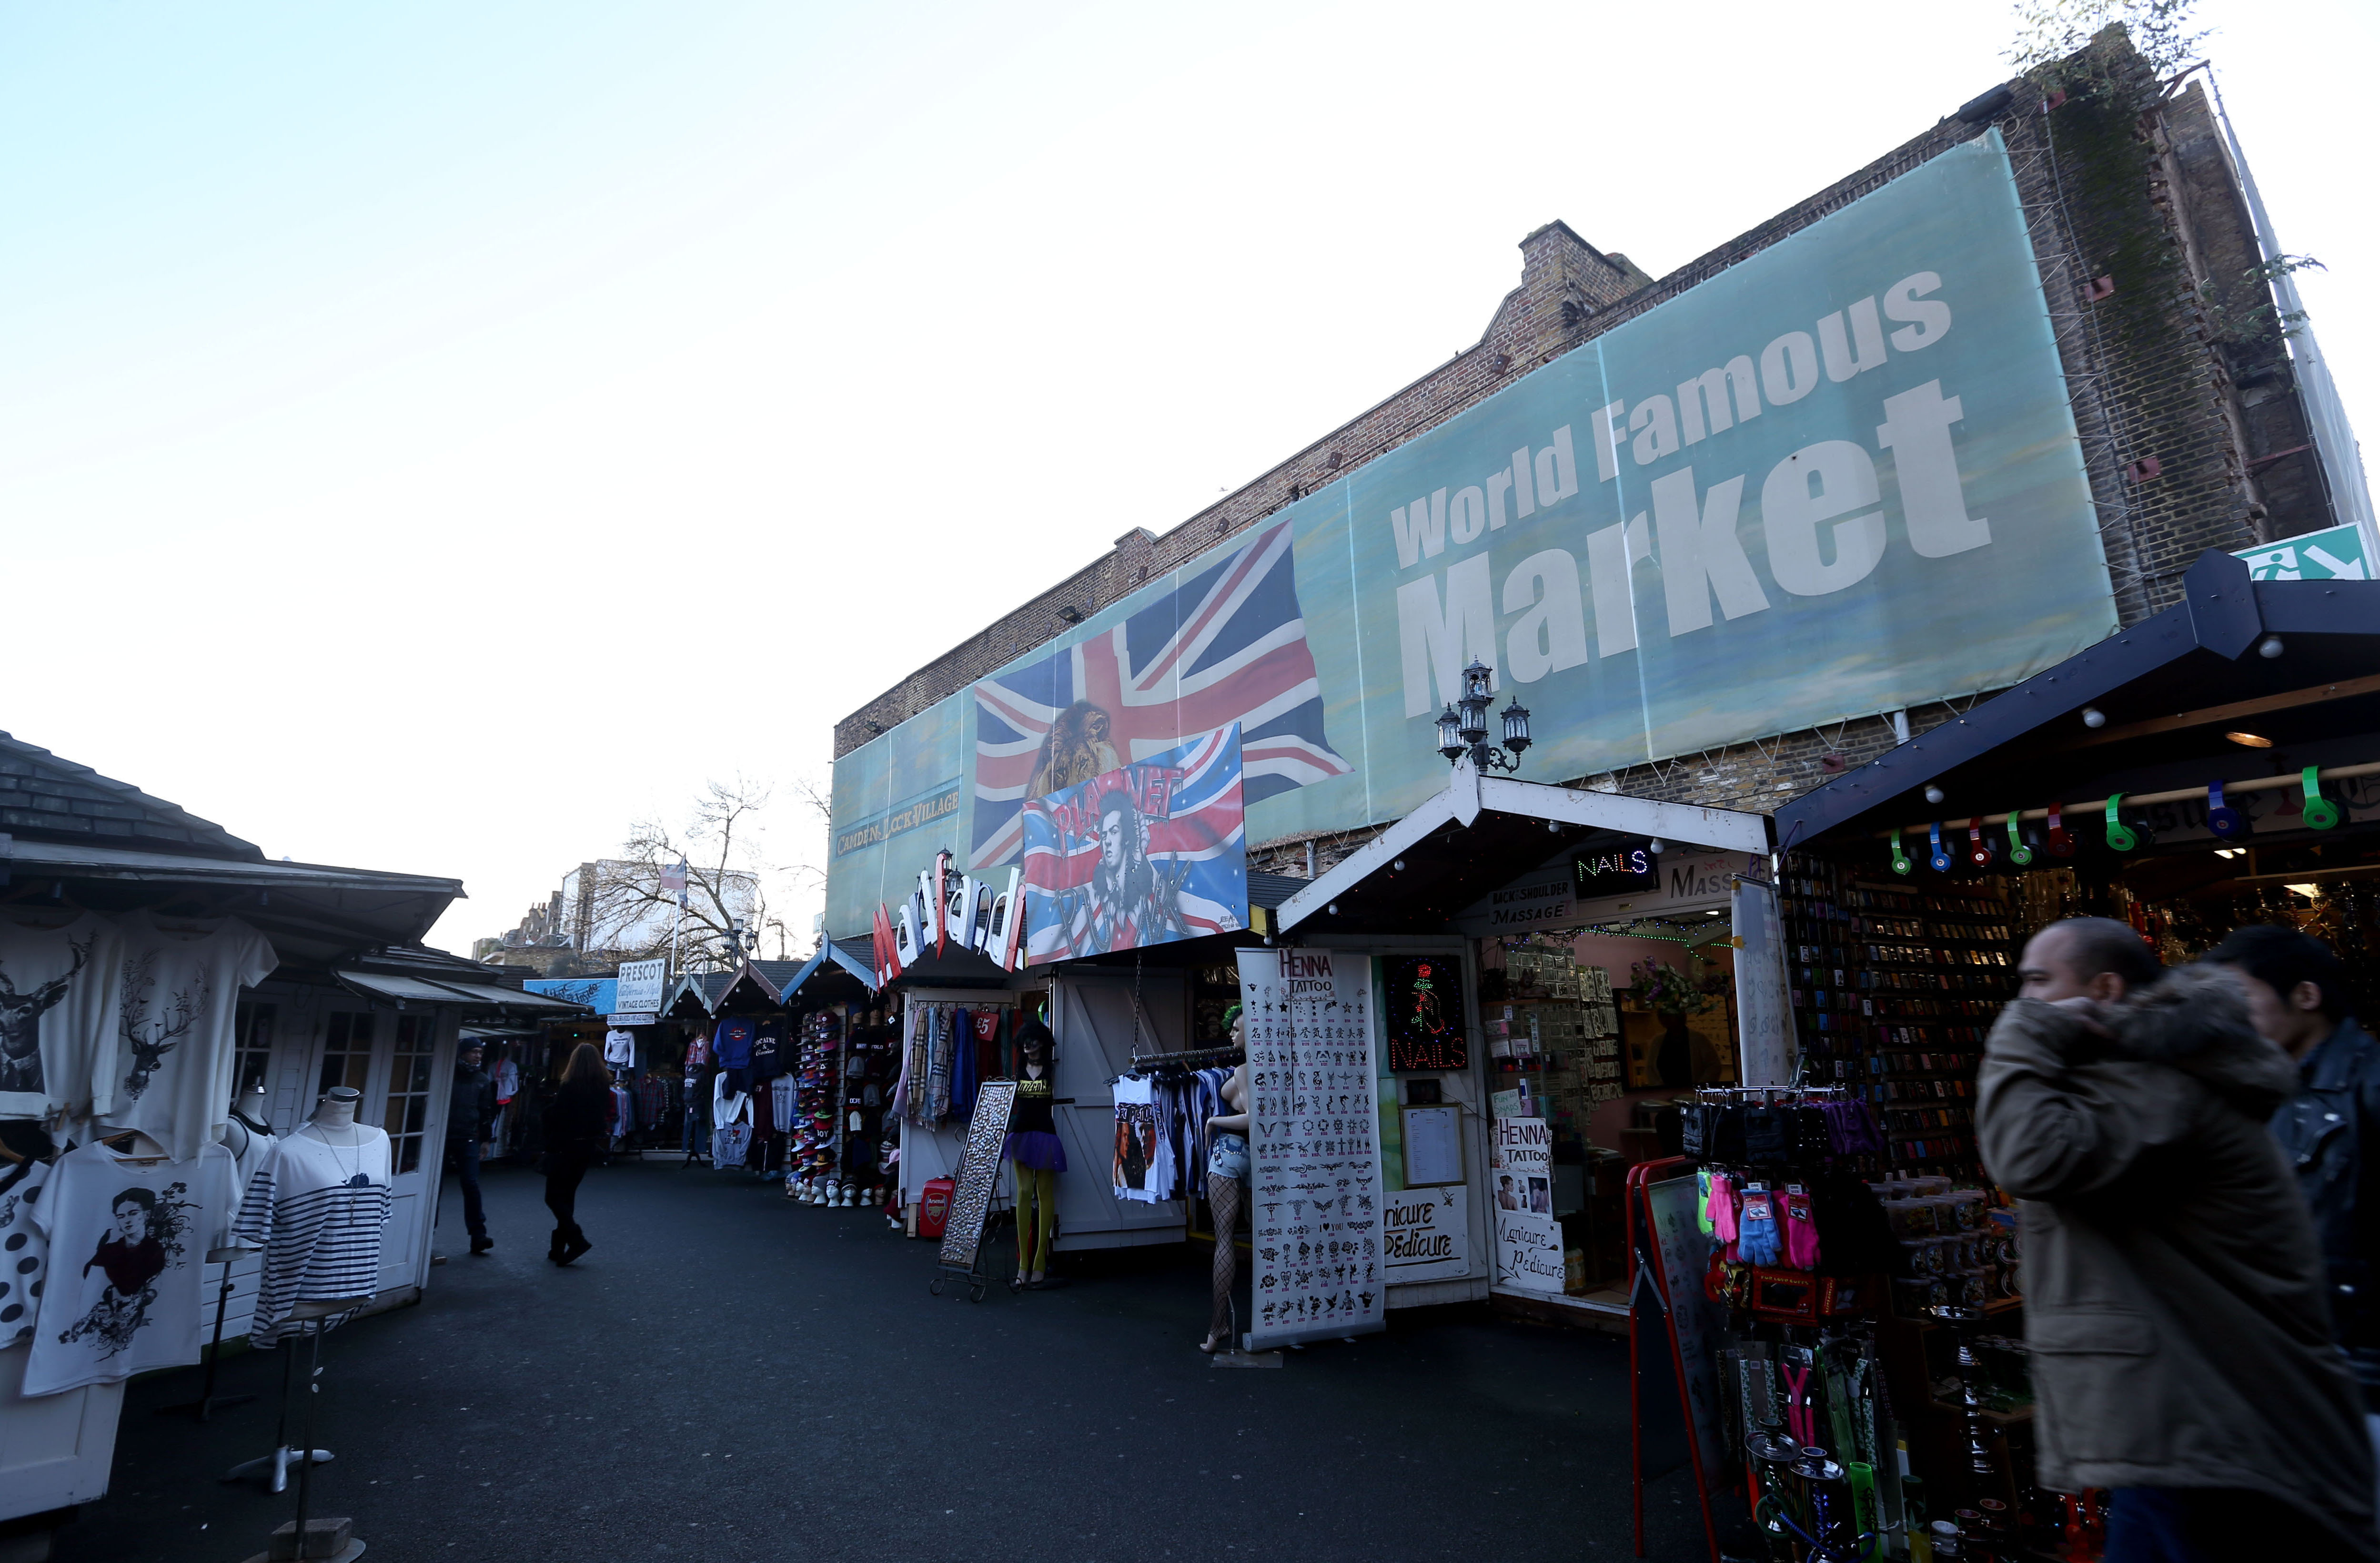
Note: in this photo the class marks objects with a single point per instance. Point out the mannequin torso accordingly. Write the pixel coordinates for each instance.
(335, 1119)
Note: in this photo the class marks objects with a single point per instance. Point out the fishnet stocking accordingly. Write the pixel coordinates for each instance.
(1223, 1194)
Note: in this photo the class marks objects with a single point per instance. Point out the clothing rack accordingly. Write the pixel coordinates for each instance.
(1190, 1057)
(1770, 1093)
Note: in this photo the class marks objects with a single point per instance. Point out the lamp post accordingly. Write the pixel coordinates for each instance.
(1462, 726)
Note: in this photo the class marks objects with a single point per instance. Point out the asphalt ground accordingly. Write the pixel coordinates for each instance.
(730, 1376)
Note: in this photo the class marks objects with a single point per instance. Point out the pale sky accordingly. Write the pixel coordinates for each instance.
(434, 436)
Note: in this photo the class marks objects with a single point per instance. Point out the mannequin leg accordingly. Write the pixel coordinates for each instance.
(1045, 1219)
(1037, 1219)
(1223, 1194)
(1025, 1186)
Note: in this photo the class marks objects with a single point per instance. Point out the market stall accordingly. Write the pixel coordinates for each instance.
(2209, 768)
(183, 1011)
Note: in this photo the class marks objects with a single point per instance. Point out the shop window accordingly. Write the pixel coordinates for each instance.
(253, 1055)
(408, 1115)
(347, 1051)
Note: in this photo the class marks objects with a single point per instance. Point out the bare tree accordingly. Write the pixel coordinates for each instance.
(726, 882)
(2068, 43)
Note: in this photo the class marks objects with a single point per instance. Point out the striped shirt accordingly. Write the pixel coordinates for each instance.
(317, 1211)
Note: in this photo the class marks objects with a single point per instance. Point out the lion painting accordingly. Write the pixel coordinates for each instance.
(1076, 750)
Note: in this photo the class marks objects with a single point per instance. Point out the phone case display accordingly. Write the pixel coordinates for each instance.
(128, 1244)
(1556, 1036)
(1895, 988)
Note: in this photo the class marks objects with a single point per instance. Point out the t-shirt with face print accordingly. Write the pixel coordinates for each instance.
(128, 1239)
(176, 1006)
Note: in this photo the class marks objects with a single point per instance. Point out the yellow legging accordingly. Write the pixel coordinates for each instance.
(1036, 1213)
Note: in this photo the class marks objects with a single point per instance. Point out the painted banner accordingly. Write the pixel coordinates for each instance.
(1142, 854)
(1835, 479)
(1521, 1183)
(1315, 1193)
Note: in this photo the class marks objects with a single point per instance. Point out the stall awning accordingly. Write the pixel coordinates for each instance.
(403, 990)
(475, 996)
(1480, 832)
(491, 995)
(2170, 691)
(831, 958)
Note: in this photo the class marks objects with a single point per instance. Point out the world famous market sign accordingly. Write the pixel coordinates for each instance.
(1837, 479)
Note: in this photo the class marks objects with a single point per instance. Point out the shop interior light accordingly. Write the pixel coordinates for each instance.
(1933, 794)
(2270, 646)
(2308, 891)
(1398, 865)
(2250, 741)
(2093, 717)
(2227, 851)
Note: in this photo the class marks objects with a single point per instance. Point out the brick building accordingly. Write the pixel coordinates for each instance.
(2192, 428)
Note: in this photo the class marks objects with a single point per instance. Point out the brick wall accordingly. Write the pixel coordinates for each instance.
(2180, 376)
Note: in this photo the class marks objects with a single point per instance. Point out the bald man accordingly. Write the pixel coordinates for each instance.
(2174, 1304)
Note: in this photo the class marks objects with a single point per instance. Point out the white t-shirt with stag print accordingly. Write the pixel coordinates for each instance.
(171, 1068)
(58, 979)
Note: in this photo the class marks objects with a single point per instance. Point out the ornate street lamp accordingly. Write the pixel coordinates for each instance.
(1462, 726)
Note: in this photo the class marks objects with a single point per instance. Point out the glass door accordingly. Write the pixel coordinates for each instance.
(405, 1110)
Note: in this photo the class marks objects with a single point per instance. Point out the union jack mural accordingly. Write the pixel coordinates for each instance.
(1228, 646)
(1142, 854)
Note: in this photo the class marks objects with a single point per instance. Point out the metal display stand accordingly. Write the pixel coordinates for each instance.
(962, 1250)
(209, 1402)
(274, 1467)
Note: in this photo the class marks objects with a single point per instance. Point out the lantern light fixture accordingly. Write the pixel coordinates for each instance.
(1462, 726)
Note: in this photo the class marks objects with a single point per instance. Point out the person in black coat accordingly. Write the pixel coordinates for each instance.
(574, 1138)
(2297, 997)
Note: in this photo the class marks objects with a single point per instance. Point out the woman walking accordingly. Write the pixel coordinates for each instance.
(574, 1137)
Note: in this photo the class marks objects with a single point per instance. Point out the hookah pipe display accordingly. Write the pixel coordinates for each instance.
(1808, 1496)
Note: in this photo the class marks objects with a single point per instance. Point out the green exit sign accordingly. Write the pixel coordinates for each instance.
(2336, 554)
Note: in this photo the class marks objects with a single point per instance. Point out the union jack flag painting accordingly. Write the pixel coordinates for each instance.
(1142, 854)
(1225, 646)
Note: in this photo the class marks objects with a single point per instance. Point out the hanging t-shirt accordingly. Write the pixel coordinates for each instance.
(24, 1249)
(768, 1050)
(1135, 1173)
(507, 1080)
(731, 1047)
(172, 1061)
(620, 1048)
(780, 1102)
(317, 1211)
(58, 993)
(128, 1242)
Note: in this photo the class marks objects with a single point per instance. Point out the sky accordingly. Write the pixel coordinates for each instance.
(435, 437)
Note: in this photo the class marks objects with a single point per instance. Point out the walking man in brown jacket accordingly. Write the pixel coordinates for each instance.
(2174, 1301)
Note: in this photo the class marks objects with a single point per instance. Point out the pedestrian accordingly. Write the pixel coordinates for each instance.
(469, 1114)
(2299, 1000)
(574, 1137)
(2181, 1352)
